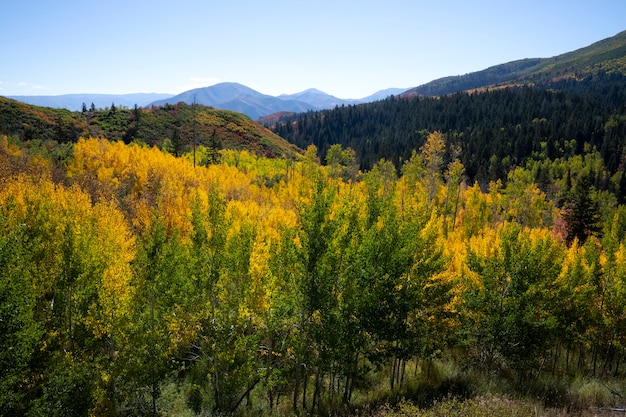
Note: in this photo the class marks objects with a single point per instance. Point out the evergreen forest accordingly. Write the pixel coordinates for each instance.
(497, 129)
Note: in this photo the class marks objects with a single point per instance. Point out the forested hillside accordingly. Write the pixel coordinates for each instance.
(605, 56)
(494, 130)
(497, 119)
(173, 127)
(135, 283)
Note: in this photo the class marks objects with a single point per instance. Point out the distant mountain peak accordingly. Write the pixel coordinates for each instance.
(313, 90)
(304, 93)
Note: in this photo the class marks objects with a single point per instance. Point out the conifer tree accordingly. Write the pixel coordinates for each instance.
(581, 212)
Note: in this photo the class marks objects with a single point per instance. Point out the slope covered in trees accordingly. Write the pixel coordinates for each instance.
(606, 55)
(497, 130)
(135, 283)
(500, 117)
(174, 127)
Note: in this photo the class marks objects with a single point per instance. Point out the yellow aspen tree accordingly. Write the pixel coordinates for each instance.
(432, 153)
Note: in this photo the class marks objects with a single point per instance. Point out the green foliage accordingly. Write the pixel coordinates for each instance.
(67, 391)
(342, 162)
(582, 215)
(510, 321)
(176, 129)
(19, 330)
(496, 129)
(260, 286)
(161, 285)
(41, 123)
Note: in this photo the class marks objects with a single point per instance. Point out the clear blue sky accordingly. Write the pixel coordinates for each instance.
(346, 48)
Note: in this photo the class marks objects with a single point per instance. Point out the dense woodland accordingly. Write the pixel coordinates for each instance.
(133, 282)
(464, 252)
(497, 129)
(172, 127)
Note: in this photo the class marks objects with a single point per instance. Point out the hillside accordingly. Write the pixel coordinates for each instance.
(44, 123)
(75, 102)
(496, 130)
(607, 55)
(173, 126)
(536, 108)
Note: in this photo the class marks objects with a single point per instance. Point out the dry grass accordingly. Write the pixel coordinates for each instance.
(490, 406)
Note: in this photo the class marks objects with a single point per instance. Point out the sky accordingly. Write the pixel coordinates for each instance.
(346, 48)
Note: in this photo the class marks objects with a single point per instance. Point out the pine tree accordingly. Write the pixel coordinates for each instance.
(581, 212)
(177, 142)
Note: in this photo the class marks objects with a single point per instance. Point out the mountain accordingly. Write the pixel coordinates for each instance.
(382, 94)
(100, 101)
(224, 96)
(238, 97)
(500, 118)
(315, 98)
(320, 100)
(606, 55)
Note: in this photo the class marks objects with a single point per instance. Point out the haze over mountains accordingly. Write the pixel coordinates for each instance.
(238, 97)
(606, 55)
(223, 96)
(76, 101)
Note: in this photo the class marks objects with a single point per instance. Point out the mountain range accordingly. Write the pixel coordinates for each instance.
(223, 96)
(605, 55)
(558, 105)
(242, 99)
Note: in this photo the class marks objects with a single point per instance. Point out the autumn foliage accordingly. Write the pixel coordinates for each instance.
(136, 282)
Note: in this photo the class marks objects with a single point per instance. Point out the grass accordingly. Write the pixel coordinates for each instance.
(435, 389)
(488, 406)
(451, 392)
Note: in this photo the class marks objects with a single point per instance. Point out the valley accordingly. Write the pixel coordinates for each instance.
(457, 249)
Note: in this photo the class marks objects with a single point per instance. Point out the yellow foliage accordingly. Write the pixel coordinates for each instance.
(456, 249)
(260, 290)
(100, 240)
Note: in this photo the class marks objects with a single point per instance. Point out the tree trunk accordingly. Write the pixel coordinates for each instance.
(245, 394)
(456, 206)
(154, 397)
(296, 388)
(581, 360)
(316, 392)
(353, 375)
(305, 384)
(392, 376)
